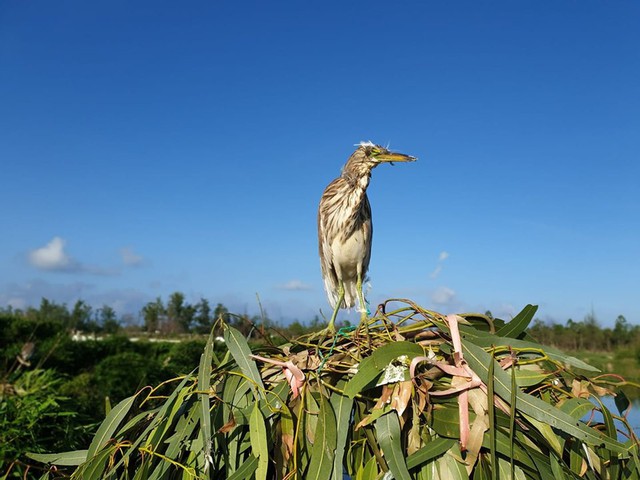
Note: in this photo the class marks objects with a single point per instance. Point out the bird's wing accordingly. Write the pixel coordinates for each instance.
(326, 235)
(367, 227)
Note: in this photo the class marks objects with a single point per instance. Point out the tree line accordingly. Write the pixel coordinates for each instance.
(178, 316)
(587, 334)
(172, 316)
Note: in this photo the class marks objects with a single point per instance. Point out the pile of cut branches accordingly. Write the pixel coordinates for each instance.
(409, 394)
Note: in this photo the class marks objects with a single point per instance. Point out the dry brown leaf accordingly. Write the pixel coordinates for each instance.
(230, 425)
(401, 396)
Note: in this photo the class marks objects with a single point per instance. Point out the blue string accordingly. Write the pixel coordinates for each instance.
(340, 333)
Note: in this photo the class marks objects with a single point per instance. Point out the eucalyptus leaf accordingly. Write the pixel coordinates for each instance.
(73, 458)
(432, 450)
(487, 340)
(519, 323)
(324, 445)
(577, 407)
(371, 367)
(342, 406)
(259, 445)
(388, 433)
(246, 470)
(239, 349)
(109, 425)
(204, 383)
(479, 360)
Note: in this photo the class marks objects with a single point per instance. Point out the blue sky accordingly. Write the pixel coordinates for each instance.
(150, 147)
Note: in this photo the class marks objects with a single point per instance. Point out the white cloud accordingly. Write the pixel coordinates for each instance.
(295, 285)
(443, 296)
(52, 257)
(441, 258)
(436, 271)
(130, 258)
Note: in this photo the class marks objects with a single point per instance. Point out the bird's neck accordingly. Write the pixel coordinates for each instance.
(358, 182)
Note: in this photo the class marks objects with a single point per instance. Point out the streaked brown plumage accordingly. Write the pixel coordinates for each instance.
(345, 229)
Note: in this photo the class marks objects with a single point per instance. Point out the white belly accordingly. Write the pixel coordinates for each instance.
(348, 256)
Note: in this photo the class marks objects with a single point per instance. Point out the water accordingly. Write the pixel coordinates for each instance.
(633, 417)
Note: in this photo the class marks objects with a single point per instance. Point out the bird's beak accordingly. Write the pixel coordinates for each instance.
(395, 157)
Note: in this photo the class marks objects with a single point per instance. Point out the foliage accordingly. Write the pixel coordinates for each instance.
(33, 417)
(409, 394)
(183, 357)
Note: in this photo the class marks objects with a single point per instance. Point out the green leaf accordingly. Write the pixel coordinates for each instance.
(93, 468)
(246, 469)
(519, 323)
(529, 375)
(611, 460)
(503, 446)
(324, 445)
(312, 417)
(152, 434)
(239, 349)
(577, 407)
(204, 384)
(449, 467)
(621, 401)
(431, 450)
(259, 446)
(184, 430)
(109, 425)
(371, 367)
(554, 440)
(390, 439)
(73, 458)
(479, 360)
(342, 406)
(492, 417)
(367, 471)
(487, 340)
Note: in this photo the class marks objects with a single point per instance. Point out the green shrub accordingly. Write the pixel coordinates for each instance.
(184, 356)
(118, 375)
(34, 417)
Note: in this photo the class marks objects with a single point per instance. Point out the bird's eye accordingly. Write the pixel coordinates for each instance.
(375, 151)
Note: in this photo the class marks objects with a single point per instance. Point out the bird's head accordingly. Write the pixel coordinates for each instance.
(378, 154)
(369, 155)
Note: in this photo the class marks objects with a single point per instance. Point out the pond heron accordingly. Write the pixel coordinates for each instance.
(345, 229)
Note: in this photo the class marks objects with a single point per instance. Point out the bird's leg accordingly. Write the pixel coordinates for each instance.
(363, 304)
(332, 322)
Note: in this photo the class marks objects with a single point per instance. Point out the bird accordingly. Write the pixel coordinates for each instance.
(345, 229)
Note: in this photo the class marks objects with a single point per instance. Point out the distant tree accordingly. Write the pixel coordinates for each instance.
(107, 319)
(50, 312)
(621, 331)
(179, 313)
(316, 323)
(593, 334)
(202, 316)
(541, 332)
(296, 329)
(221, 312)
(128, 320)
(153, 313)
(81, 316)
